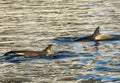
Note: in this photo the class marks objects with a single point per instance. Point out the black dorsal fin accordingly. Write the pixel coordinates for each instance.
(48, 48)
(96, 32)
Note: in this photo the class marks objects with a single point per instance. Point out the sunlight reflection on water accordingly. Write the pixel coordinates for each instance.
(33, 24)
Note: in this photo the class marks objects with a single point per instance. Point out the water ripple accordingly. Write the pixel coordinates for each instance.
(96, 77)
(101, 68)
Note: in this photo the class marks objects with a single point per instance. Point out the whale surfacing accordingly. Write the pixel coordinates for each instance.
(96, 36)
(45, 53)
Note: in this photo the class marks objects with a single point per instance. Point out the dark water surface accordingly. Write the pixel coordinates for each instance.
(33, 24)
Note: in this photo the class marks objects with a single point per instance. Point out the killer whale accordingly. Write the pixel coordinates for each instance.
(45, 53)
(97, 36)
(26, 55)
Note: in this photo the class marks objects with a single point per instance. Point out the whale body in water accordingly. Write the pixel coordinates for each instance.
(45, 53)
(97, 36)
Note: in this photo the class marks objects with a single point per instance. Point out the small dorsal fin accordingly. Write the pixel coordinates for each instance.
(96, 32)
(48, 48)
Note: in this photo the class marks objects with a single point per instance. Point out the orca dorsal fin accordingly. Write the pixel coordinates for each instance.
(48, 49)
(96, 32)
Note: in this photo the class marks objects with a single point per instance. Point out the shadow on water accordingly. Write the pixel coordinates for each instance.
(57, 55)
(64, 39)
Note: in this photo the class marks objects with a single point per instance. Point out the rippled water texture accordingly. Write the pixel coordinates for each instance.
(33, 24)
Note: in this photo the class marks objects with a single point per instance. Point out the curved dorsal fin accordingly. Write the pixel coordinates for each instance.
(48, 49)
(96, 32)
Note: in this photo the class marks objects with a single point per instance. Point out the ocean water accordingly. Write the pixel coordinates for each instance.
(33, 24)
